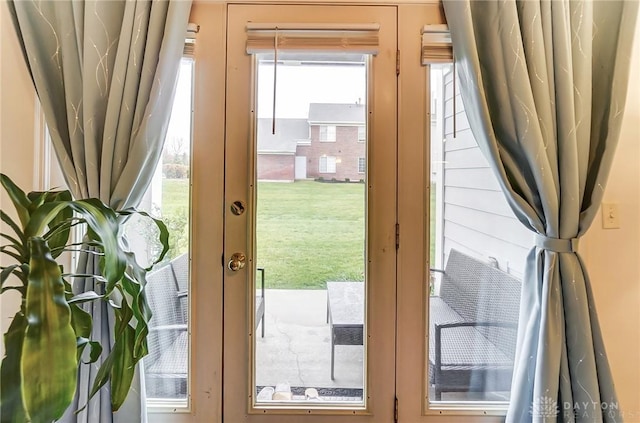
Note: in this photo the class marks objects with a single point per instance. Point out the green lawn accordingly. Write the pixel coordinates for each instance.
(175, 195)
(175, 214)
(307, 232)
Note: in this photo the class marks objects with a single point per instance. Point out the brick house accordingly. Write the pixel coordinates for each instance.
(330, 144)
(277, 152)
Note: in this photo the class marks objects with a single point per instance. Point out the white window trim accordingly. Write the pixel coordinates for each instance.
(327, 168)
(327, 133)
(364, 162)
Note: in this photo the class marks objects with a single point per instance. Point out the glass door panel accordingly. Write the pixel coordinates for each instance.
(478, 250)
(310, 228)
(168, 284)
(424, 212)
(309, 235)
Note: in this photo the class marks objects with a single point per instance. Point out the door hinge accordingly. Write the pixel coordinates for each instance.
(395, 410)
(397, 62)
(397, 236)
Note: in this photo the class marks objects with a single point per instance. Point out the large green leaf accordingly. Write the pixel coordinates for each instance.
(95, 349)
(82, 324)
(16, 244)
(163, 233)
(13, 225)
(42, 217)
(85, 297)
(133, 284)
(21, 289)
(38, 198)
(104, 224)
(7, 271)
(18, 198)
(102, 377)
(11, 407)
(123, 365)
(59, 330)
(5, 250)
(61, 223)
(81, 321)
(49, 364)
(119, 366)
(123, 368)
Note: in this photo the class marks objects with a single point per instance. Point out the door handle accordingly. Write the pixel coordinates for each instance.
(237, 262)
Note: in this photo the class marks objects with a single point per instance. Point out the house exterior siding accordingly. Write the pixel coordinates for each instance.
(341, 147)
(477, 219)
(346, 149)
(276, 167)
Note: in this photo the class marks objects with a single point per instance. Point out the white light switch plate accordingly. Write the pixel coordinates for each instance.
(610, 216)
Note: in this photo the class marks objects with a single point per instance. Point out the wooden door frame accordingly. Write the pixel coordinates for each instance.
(237, 391)
(206, 383)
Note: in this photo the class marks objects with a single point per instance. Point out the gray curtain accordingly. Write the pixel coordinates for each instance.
(544, 86)
(105, 74)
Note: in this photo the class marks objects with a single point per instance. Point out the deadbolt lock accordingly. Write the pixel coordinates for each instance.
(238, 208)
(237, 262)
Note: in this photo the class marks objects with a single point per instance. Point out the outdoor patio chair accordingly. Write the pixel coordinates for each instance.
(166, 364)
(473, 327)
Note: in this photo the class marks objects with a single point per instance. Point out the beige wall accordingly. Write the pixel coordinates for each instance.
(17, 130)
(17, 108)
(612, 256)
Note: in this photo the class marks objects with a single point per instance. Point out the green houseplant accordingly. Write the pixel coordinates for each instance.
(50, 335)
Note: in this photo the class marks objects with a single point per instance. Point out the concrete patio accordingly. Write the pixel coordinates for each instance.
(296, 352)
(296, 348)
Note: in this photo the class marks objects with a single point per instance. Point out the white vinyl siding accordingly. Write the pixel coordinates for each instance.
(327, 164)
(328, 133)
(477, 219)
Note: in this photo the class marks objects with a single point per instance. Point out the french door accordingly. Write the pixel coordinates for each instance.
(309, 287)
(310, 192)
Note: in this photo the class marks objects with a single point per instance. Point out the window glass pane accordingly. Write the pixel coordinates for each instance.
(308, 313)
(331, 133)
(327, 164)
(362, 133)
(167, 289)
(478, 251)
(331, 164)
(327, 133)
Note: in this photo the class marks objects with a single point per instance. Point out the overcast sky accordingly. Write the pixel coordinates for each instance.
(297, 86)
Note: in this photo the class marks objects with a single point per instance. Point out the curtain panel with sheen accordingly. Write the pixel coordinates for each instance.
(544, 87)
(105, 75)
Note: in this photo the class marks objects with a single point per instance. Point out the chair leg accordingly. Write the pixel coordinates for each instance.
(263, 319)
(333, 353)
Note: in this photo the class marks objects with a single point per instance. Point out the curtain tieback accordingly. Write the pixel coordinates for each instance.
(557, 245)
